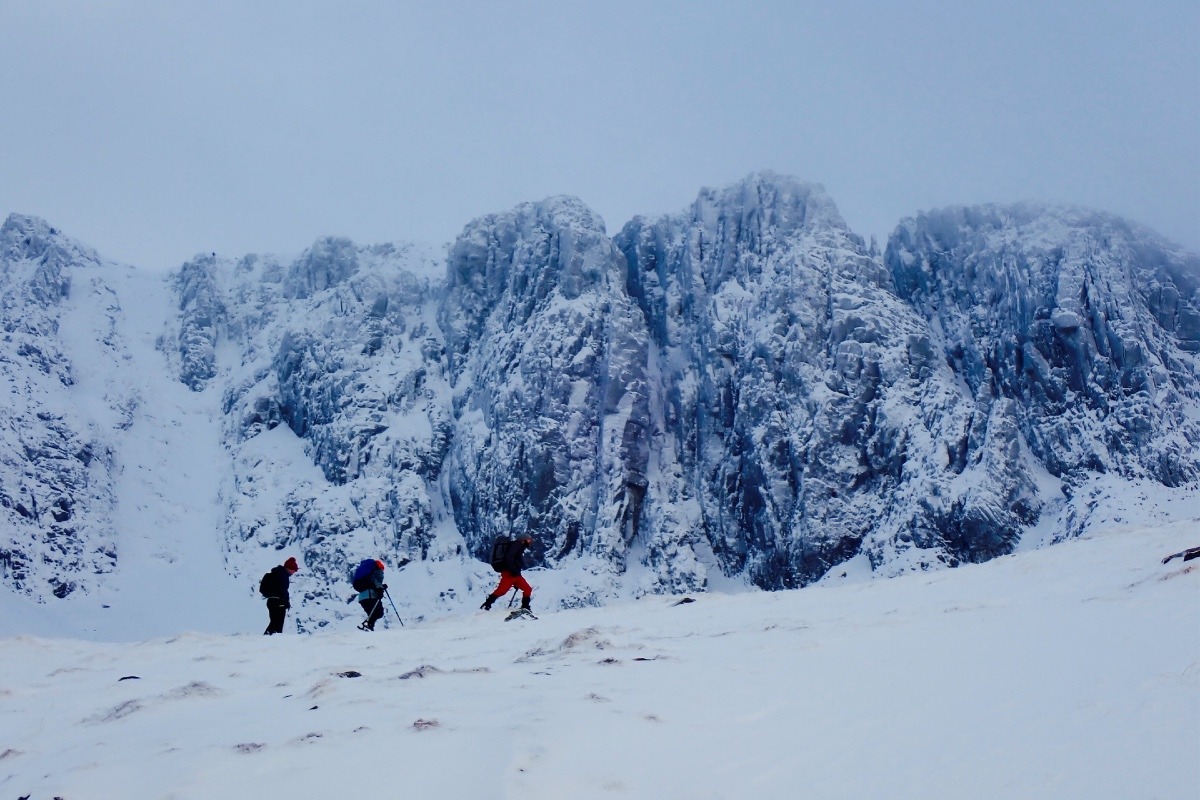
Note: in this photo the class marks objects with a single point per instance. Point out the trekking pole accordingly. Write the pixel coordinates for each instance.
(513, 598)
(370, 614)
(389, 597)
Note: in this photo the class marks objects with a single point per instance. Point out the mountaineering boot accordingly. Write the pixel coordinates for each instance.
(487, 604)
(525, 602)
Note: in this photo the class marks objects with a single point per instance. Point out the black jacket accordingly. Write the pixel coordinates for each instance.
(281, 579)
(514, 556)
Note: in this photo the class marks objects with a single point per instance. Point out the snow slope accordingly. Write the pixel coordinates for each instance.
(168, 472)
(1064, 672)
(113, 467)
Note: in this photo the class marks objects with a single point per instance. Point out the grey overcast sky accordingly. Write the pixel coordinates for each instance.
(155, 130)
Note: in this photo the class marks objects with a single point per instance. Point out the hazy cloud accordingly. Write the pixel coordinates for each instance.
(156, 130)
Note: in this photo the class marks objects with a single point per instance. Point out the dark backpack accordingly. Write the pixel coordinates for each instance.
(266, 587)
(500, 554)
(362, 575)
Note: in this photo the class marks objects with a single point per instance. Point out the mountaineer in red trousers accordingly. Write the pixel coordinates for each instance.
(510, 574)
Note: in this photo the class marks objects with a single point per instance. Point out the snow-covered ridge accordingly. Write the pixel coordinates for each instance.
(1090, 325)
(1069, 672)
(743, 393)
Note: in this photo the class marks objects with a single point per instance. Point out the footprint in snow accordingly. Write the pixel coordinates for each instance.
(193, 689)
(116, 712)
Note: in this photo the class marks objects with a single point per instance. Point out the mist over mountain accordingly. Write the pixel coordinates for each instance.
(742, 393)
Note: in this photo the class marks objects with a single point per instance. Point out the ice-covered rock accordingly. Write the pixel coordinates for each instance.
(548, 358)
(1084, 325)
(339, 381)
(56, 470)
(803, 412)
(743, 392)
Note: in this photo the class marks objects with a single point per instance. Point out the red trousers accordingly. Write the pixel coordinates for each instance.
(508, 580)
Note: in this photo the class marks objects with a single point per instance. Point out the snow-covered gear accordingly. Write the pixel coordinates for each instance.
(1187, 555)
(520, 613)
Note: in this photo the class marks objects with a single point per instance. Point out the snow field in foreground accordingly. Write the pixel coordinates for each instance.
(1068, 672)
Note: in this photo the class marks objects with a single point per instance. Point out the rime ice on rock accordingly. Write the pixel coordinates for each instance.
(56, 470)
(548, 359)
(1085, 325)
(743, 391)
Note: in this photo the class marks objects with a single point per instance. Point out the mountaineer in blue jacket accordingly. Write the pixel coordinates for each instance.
(371, 598)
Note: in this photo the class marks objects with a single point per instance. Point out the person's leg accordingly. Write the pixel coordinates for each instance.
(506, 582)
(368, 607)
(526, 590)
(277, 614)
(376, 614)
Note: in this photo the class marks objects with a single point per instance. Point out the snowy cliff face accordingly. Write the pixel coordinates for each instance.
(805, 413)
(334, 401)
(548, 360)
(1087, 328)
(739, 393)
(56, 497)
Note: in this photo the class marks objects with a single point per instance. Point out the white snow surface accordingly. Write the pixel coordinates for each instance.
(1071, 671)
(167, 478)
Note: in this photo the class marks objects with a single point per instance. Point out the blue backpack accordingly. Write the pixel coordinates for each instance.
(362, 575)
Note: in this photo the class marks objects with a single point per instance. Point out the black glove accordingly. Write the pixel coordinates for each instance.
(385, 587)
